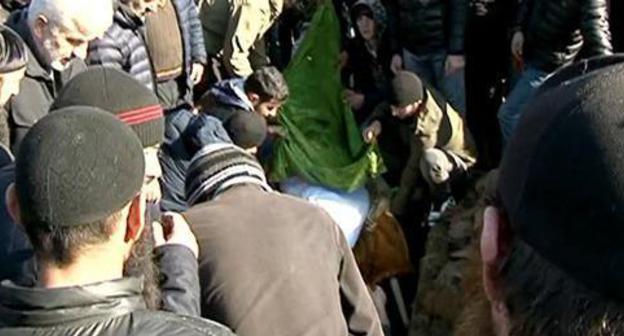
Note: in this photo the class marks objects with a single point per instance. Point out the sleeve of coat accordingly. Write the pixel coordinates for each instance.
(595, 28)
(198, 50)
(457, 17)
(179, 280)
(244, 28)
(105, 51)
(357, 306)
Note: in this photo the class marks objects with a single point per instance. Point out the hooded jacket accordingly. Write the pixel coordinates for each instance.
(39, 86)
(107, 308)
(185, 134)
(227, 96)
(368, 72)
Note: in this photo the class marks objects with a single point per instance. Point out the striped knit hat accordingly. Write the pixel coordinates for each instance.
(217, 167)
(117, 92)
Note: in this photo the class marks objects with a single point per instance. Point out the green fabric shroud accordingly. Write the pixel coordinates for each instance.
(323, 143)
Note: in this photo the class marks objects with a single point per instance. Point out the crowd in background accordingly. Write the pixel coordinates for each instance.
(136, 141)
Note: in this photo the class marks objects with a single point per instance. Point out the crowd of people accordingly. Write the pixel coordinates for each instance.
(137, 139)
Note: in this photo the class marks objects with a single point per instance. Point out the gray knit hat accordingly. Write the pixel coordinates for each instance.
(217, 167)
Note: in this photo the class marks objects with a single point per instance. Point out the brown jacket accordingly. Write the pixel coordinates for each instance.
(271, 264)
(439, 126)
(233, 31)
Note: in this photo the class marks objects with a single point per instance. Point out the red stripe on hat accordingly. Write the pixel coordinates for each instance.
(141, 115)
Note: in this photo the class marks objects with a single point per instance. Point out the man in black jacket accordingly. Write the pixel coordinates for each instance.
(77, 193)
(432, 43)
(550, 34)
(122, 95)
(56, 33)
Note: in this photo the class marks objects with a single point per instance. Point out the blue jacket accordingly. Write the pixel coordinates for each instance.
(123, 45)
(185, 134)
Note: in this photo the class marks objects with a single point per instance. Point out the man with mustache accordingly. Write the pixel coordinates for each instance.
(57, 33)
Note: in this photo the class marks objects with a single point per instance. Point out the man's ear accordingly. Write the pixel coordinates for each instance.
(12, 204)
(253, 98)
(136, 219)
(41, 24)
(495, 243)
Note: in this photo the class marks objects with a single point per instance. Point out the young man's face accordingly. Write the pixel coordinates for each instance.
(366, 27)
(268, 109)
(407, 111)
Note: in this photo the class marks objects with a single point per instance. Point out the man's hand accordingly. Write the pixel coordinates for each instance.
(371, 132)
(517, 44)
(355, 100)
(174, 230)
(454, 63)
(397, 63)
(197, 71)
(343, 58)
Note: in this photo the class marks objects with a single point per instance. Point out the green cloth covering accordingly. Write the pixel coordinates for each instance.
(323, 143)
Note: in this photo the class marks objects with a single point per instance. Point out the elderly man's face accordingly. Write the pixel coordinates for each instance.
(59, 43)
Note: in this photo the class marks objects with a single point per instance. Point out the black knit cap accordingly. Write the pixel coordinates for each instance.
(407, 89)
(77, 166)
(219, 166)
(119, 93)
(562, 177)
(246, 129)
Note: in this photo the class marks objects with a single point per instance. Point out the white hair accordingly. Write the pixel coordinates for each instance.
(92, 16)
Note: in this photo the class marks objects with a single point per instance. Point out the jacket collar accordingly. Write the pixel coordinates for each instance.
(32, 306)
(126, 18)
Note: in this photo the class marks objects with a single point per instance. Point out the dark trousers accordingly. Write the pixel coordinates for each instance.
(486, 68)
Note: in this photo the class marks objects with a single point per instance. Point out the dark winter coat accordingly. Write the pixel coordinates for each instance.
(271, 264)
(429, 26)
(368, 74)
(177, 264)
(123, 45)
(39, 86)
(225, 97)
(556, 30)
(107, 308)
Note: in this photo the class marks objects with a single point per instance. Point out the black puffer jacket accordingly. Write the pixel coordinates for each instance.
(556, 30)
(427, 26)
(107, 308)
